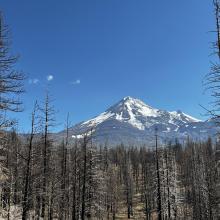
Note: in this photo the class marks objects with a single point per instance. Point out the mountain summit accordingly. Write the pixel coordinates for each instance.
(141, 116)
(132, 121)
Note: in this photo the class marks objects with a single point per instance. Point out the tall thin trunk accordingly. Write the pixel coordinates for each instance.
(84, 180)
(45, 155)
(27, 175)
(159, 206)
(168, 187)
(74, 180)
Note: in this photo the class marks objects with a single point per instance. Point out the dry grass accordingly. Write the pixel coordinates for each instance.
(138, 209)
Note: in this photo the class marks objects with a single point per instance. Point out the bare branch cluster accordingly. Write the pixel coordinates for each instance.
(11, 80)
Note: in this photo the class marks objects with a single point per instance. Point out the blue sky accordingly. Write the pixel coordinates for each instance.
(96, 52)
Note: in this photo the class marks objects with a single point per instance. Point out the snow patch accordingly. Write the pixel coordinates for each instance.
(99, 119)
(81, 136)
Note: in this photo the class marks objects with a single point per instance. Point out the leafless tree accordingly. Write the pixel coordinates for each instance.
(11, 80)
(27, 179)
(212, 79)
(48, 120)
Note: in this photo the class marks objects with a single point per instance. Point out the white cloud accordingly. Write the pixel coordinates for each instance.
(76, 82)
(33, 81)
(50, 77)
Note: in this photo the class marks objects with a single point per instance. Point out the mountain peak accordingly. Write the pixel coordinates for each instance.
(132, 119)
(136, 113)
(182, 116)
(129, 98)
(131, 105)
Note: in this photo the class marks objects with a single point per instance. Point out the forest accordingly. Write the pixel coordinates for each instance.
(42, 178)
(83, 181)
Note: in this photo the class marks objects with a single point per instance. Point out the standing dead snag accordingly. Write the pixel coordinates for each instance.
(159, 206)
(212, 79)
(128, 182)
(11, 86)
(64, 204)
(11, 81)
(216, 4)
(47, 121)
(84, 148)
(74, 178)
(25, 202)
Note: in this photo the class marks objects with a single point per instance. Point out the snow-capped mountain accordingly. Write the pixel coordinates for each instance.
(141, 116)
(131, 121)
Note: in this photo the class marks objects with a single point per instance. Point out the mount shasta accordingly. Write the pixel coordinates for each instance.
(131, 121)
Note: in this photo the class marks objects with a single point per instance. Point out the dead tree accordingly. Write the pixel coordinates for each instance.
(25, 202)
(212, 79)
(64, 175)
(159, 205)
(84, 148)
(11, 80)
(48, 122)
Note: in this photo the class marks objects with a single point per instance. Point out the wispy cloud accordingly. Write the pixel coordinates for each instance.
(76, 82)
(33, 81)
(50, 77)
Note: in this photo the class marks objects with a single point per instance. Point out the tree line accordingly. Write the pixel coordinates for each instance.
(82, 180)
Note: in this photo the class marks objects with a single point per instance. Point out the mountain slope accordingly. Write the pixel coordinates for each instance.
(131, 121)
